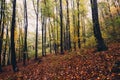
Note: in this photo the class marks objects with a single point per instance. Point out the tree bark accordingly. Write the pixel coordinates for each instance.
(6, 42)
(97, 33)
(13, 54)
(36, 41)
(74, 24)
(78, 26)
(61, 28)
(68, 28)
(1, 29)
(25, 32)
(43, 46)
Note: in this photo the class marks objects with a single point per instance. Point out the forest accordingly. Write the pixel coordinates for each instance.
(59, 39)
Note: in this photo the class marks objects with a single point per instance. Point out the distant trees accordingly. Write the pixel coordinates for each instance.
(109, 19)
(5, 48)
(96, 27)
(44, 15)
(65, 26)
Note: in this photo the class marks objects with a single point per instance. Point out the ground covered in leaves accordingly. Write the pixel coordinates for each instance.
(80, 65)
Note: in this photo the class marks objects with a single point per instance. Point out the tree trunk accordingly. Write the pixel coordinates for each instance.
(1, 13)
(19, 58)
(6, 42)
(68, 28)
(78, 26)
(53, 35)
(97, 33)
(61, 28)
(83, 29)
(74, 24)
(13, 54)
(42, 39)
(1, 29)
(9, 52)
(45, 36)
(25, 32)
(36, 41)
(49, 28)
(1, 42)
(57, 24)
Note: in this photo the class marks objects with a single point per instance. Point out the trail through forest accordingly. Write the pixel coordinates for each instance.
(80, 65)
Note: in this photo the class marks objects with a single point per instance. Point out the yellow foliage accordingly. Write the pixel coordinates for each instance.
(104, 35)
(91, 42)
(16, 34)
(113, 10)
(75, 39)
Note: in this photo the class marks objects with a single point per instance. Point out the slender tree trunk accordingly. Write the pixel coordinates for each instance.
(97, 33)
(45, 36)
(25, 32)
(9, 56)
(1, 42)
(78, 26)
(49, 28)
(13, 54)
(53, 35)
(68, 27)
(20, 40)
(83, 29)
(19, 58)
(65, 38)
(44, 32)
(2, 26)
(9, 51)
(57, 45)
(43, 54)
(1, 14)
(6, 42)
(61, 28)
(74, 24)
(36, 41)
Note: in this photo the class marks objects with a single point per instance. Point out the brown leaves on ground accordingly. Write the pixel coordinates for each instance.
(79, 65)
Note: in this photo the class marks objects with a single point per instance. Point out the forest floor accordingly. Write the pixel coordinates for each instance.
(83, 64)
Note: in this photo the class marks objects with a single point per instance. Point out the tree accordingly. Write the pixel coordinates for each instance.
(5, 48)
(1, 29)
(25, 32)
(96, 27)
(36, 41)
(74, 23)
(13, 54)
(45, 11)
(78, 23)
(68, 40)
(57, 24)
(61, 28)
